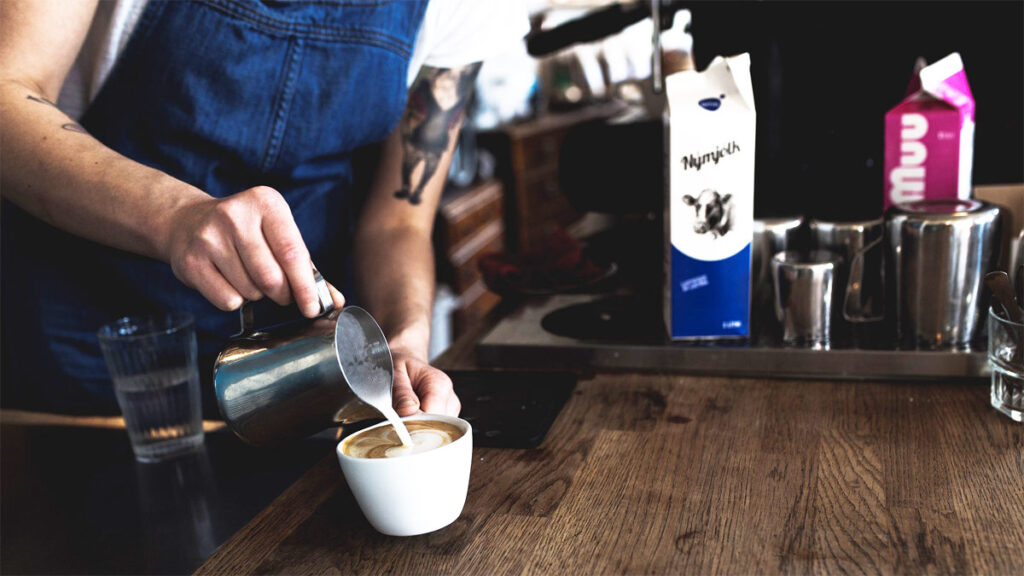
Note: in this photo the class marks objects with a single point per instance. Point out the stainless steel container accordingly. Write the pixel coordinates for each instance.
(938, 252)
(805, 296)
(295, 379)
(861, 274)
(771, 236)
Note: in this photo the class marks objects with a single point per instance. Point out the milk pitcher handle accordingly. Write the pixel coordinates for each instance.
(323, 294)
(855, 309)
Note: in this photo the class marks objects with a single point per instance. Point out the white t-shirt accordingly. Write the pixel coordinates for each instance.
(453, 33)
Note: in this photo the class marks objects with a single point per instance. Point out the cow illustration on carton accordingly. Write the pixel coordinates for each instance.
(711, 212)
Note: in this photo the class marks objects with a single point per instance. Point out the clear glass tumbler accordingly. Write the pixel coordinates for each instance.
(152, 362)
(1006, 359)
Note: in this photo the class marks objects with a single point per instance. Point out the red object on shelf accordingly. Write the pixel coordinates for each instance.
(561, 265)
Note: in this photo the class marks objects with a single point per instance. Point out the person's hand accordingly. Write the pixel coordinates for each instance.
(244, 247)
(420, 386)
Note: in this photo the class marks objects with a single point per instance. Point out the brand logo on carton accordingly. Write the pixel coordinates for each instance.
(692, 161)
(711, 104)
(907, 179)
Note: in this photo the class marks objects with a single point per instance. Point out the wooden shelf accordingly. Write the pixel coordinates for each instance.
(470, 223)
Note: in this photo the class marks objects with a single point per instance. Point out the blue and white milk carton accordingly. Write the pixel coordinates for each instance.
(709, 204)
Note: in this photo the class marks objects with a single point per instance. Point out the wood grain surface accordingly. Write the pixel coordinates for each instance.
(675, 474)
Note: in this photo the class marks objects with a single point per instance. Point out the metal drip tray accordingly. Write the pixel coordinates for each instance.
(625, 332)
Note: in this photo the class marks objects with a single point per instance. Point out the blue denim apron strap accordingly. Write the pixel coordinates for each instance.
(225, 95)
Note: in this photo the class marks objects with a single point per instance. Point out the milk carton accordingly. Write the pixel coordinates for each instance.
(929, 136)
(709, 203)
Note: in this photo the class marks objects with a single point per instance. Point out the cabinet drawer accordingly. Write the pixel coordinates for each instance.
(463, 258)
(469, 211)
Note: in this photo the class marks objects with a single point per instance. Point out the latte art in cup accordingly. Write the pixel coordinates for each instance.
(409, 491)
(383, 441)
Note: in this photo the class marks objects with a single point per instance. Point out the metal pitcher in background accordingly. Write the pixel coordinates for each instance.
(861, 278)
(938, 252)
(296, 379)
(771, 236)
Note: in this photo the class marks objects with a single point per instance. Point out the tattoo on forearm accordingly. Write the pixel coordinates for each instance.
(437, 106)
(69, 126)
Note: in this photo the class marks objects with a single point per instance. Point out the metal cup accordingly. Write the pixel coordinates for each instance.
(938, 252)
(298, 378)
(771, 236)
(860, 245)
(805, 296)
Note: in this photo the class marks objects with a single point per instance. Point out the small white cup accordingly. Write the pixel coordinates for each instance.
(412, 494)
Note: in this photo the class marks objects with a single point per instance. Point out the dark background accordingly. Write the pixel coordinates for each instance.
(825, 74)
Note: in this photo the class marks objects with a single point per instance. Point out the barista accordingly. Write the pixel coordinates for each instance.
(164, 155)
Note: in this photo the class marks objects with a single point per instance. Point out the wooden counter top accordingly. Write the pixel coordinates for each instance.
(673, 474)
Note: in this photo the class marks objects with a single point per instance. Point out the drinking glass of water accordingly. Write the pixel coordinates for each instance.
(1006, 359)
(152, 362)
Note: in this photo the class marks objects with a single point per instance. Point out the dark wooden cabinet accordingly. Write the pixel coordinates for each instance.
(470, 224)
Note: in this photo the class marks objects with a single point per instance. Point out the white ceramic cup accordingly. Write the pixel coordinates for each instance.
(412, 494)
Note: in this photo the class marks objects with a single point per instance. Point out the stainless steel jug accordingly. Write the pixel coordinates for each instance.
(771, 236)
(806, 296)
(861, 275)
(296, 379)
(938, 252)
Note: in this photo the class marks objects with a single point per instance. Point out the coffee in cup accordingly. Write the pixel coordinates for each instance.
(383, 441)
(404, 491)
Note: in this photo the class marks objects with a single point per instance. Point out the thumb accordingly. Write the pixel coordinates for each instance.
(403, 397)
(337, 296)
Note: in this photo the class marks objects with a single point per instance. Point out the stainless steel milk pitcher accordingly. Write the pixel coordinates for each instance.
(296, 379)
(859, 243)
(938, 254)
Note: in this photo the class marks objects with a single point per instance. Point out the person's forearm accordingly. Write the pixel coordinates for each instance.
(394, 254)
(55, 171)
(397, 285)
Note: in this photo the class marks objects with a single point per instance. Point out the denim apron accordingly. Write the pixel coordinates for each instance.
(223, 95)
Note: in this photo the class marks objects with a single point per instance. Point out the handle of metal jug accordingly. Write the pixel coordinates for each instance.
(854, 303)
(323, 295)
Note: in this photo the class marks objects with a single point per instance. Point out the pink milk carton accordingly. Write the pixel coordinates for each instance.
(929, 136)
